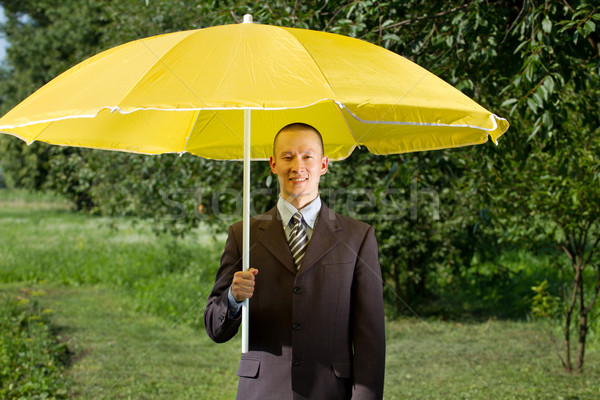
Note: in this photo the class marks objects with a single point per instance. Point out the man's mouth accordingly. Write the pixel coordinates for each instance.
(298, 179)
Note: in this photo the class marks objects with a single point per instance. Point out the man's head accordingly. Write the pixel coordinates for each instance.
(301, 126)
(298, 161)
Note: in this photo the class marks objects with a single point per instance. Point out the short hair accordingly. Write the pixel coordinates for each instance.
(300, 125)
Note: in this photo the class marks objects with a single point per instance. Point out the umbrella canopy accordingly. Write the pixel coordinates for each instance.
(204, 91)
(354, 92)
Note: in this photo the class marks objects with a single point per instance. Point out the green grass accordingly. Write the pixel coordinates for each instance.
(120, 353)
(128, 304)
(490, 360)
(52, 244)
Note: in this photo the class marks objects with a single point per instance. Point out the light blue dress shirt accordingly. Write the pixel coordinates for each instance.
(310, 214)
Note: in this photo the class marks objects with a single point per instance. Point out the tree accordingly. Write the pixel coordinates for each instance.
(567, 167)
(543, 59)
(551, 179)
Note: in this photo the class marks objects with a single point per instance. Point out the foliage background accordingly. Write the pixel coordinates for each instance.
(446, 221)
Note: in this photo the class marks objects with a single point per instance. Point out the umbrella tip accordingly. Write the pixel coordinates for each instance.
(248, 19)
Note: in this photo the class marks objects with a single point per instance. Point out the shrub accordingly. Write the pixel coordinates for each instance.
(32, 360)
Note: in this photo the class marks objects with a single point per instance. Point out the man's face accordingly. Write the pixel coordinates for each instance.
(298, 163)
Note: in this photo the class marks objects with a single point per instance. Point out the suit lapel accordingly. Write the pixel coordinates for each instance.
(273, 239)
(323, 239)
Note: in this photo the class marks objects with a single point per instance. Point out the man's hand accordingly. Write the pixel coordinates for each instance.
(242, 287)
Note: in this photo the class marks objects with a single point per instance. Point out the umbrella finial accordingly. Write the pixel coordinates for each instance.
(248, 19)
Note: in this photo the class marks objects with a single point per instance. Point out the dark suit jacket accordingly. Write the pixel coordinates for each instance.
(316, 333)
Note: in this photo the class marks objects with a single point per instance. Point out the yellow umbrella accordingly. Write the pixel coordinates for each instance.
(355, 92)
(203, 91)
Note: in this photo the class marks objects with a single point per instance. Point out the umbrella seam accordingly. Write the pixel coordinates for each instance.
(159, 60)
(187, 139)
(289, 32)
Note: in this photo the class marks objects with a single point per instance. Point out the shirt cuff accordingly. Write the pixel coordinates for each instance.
(234, 306)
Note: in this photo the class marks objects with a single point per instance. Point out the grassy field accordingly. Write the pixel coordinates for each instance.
(129, 304)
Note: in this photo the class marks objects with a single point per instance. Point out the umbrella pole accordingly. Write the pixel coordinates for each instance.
(246, 225)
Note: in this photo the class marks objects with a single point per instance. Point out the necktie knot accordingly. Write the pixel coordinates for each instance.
(296, 219)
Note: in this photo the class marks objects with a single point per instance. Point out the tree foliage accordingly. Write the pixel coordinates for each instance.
(552, 181)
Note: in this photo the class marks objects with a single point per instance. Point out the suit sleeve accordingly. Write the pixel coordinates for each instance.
(368, 323)
(218, 323)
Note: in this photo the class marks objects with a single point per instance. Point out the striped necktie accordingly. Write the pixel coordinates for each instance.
(298, 240)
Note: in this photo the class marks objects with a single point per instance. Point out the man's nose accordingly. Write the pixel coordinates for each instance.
(297, 164)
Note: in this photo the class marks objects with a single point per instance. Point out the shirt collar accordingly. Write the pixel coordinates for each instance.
(310, 212)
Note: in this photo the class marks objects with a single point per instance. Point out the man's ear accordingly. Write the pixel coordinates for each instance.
(273, 165)
(324, 165)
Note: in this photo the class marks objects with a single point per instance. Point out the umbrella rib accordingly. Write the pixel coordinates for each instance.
(187, 139)
(40, 133)
(364, 121)
(160, 61)
(316, 64)
(339, 109)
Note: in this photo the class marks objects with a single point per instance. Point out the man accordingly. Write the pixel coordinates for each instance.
(316, 310)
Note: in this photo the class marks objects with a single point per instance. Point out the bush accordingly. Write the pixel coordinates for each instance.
(32, 360)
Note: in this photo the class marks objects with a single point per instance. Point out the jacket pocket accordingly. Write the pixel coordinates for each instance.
(342, 369)
(339, 268)
(248, 368)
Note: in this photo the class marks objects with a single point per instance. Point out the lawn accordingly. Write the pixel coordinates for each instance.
(128, 304)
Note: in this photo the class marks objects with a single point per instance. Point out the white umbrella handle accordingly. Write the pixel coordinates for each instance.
(246, 226)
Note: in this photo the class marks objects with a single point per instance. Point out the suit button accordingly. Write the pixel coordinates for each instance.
(295, 362)
(296, 327)
(297, 290)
